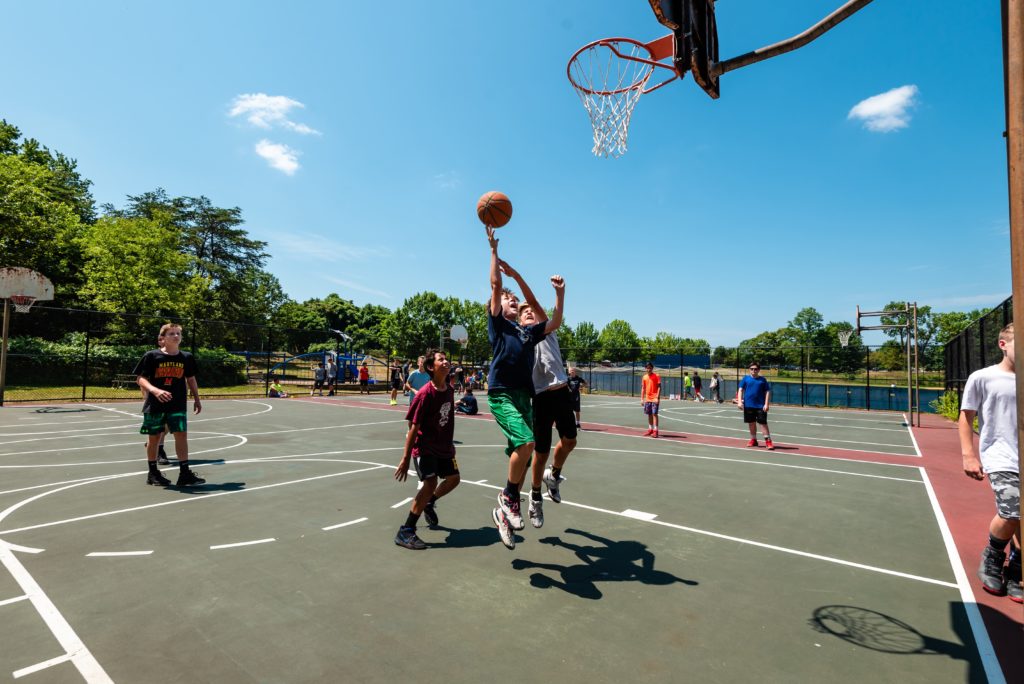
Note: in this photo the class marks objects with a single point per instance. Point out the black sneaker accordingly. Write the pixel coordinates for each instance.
(157, 479)
(161, 456)
(990, 572)
(1012, 576)
(430, 515)
(189, 479)
(407, 537)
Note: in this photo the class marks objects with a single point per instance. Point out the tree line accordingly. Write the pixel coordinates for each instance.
(184, 258)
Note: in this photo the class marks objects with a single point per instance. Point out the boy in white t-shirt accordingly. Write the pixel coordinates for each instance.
(991, 395)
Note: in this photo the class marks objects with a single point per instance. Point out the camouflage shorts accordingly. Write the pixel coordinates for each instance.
(1006, 486)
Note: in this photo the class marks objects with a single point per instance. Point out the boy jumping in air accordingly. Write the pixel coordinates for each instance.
(429, 441)
(163, 374)
(991, 395)
(510, 384)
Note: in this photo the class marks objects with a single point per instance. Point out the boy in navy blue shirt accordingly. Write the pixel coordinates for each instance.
(754, 396)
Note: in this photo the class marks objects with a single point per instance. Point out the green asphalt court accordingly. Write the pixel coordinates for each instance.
(690, 557)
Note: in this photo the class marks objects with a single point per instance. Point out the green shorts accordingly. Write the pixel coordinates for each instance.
(513, 412)
(153, 423)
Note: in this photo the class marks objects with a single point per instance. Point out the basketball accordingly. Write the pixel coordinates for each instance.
(494, 208)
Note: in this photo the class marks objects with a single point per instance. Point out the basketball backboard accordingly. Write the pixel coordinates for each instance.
(24, 286)
(693, 27)
(459, 334)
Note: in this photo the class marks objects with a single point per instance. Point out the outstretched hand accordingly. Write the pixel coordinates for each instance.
(558, 282)
(506, 269)
(491, 240)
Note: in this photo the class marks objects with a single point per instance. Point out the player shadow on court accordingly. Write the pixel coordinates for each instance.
(464, 539)
(208, 488)
(616, 561)
(880, 632)
(63, 409)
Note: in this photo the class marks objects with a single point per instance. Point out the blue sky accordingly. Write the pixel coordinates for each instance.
(356, 138)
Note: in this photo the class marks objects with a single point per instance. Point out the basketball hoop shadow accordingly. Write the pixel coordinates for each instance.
(880, 632)
(615, 561)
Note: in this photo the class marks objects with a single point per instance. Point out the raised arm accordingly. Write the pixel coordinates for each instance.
(556, 320)
(528, 296)
(494, 307)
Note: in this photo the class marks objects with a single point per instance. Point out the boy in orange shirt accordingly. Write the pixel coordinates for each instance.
(650, 398)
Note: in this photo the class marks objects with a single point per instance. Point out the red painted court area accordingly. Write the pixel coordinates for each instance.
(968, 506)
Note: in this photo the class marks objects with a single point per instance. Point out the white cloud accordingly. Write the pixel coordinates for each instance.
(280, 157)
(267, 111)
(356, 286)
(317, 247)
(449, 180)
(888, 111)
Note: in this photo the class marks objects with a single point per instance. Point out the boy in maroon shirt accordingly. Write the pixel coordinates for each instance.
(429, 441)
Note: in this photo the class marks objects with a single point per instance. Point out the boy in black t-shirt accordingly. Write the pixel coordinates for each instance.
(164, 374)
(430, 441)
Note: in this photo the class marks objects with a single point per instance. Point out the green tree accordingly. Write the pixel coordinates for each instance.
(891, 356)
(417, 324)
(618, 341)
(807, 323)
(587, 342)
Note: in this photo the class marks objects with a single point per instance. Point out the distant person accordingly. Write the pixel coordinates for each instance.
(576, 381)
(430, 442)
(397, 380)
(753, 398)
(698, 383)
(276, 390)
(650, 398)
(364, 378)
(991, 395)
(687, 385)
(319, 378)
(716, 387)
(167, 375)
(417, 379)
(332, 377)
(468, 404)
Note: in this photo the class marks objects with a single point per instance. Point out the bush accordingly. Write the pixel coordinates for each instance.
(947, 405)
(35, 361)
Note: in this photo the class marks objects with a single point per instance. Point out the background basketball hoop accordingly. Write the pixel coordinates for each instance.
(22, 303)
(609, 76)
(844, 337)
(21, 287)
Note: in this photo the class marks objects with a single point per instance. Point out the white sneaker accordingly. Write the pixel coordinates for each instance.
(512, 511)
(537, 512)
(504, 529)
(552, 484)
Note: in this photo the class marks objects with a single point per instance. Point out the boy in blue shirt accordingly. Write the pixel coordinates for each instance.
(754, 396)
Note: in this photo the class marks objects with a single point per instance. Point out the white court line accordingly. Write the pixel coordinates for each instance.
(789, 422)
(913, 439)
(402, 502)
(762, 545)
(216, 435)
(993, 670)
(112, 554)
(214, 547)
(763, 463)
(18, 674)
(324, 427)
(74, 649)
(9, 601)
(344, 524)
(639, 515)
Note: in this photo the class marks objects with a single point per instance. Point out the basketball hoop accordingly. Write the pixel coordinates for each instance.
(22, 303)
(844, 337)
(609, 76)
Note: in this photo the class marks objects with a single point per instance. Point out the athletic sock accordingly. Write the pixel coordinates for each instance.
(535, 494)
(555, 472)
(411, 521)
(512, 490)
(997, 544)
(183, 466)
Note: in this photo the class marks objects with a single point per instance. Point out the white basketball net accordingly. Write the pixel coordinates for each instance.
(22, 303)
(844, 337)
(609, 87)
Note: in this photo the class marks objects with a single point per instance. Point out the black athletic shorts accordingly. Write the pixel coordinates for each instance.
(396, 384)
(575, 401)
(552, 408)
(318, 384)
(755, 415)
(432, 466)
(364, 383)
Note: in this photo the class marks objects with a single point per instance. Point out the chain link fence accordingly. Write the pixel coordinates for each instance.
(976, 346)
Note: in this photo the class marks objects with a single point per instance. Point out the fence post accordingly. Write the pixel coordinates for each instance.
(270, 352)
(85, 361)
(867, 367)
(632, 380)
(803, 391)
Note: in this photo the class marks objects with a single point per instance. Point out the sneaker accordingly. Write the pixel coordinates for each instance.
(752, 442)
(537, 512)
(553, 484)
(188, 479)
(990, 572)
(512, 511)
(655, 434)
(648, 433)
(157, 479)
(430, 515)
(161, 456)
(1012, 577)
(407, 537)
(393, 402)
(504, 529)
(768, 444)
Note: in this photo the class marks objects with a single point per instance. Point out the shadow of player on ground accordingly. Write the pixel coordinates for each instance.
(614, 561)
